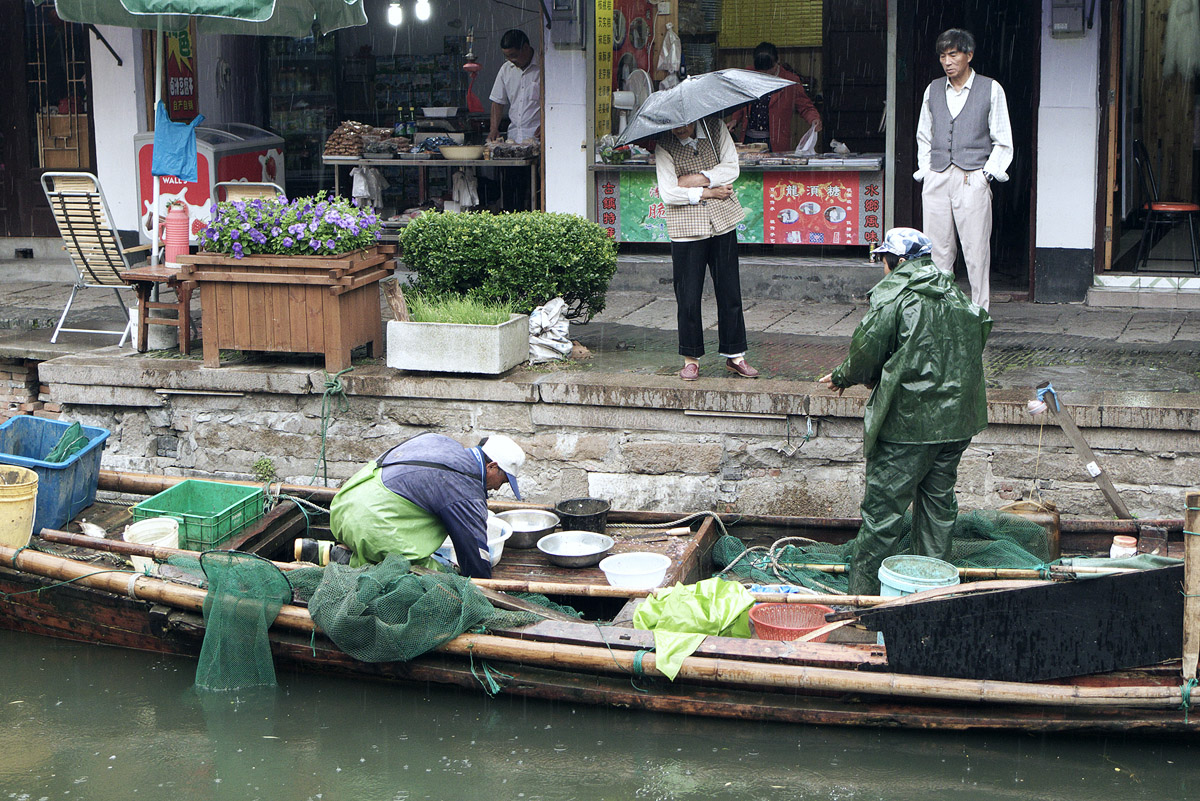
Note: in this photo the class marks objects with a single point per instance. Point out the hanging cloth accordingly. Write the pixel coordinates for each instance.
(1181, 42)
(174, 146)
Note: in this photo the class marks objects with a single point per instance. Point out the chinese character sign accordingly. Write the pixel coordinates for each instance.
(180, 95)
(811, 208)
(604, 67)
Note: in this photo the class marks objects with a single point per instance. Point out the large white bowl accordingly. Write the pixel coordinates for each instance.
(498, 533)
(637, 570)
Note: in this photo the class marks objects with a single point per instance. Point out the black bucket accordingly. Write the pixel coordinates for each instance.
(583, 514)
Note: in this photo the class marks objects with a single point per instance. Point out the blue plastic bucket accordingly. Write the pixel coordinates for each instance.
(906, 574)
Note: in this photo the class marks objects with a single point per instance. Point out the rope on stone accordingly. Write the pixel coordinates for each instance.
(332, 399)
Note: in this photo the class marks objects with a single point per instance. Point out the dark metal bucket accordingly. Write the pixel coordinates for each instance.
(583, 514)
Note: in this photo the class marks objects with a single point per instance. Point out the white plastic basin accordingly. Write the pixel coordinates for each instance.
(639, 570)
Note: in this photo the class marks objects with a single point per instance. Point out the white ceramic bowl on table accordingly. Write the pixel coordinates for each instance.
(637, 570)
(464, 152)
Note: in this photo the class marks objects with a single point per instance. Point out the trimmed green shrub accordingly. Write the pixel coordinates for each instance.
(525, 259)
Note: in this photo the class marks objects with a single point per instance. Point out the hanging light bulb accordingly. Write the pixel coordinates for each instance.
(395, 15)
(423, 10)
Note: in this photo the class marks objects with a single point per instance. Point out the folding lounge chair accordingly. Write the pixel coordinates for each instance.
(92, 241)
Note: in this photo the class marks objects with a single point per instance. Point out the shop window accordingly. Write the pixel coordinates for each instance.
(57, 76)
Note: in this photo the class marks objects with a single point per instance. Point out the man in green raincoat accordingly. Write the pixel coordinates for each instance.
(920, 351)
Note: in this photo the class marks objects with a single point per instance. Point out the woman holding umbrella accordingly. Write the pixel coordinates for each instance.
(697, 164)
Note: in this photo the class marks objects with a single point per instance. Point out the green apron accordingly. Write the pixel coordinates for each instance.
(374, 521)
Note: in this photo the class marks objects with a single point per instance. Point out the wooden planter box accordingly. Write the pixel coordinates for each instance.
(291, 304)
(458, 348)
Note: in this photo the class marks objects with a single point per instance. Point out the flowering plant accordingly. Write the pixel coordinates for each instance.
(305, 226)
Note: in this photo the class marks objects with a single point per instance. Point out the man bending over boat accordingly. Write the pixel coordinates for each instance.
(919, 349)
(421, 491)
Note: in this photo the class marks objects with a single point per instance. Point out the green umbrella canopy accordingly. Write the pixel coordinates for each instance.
(294, 18)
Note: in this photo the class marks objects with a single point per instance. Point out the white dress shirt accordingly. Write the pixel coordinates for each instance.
(999, 128)
(520, 90)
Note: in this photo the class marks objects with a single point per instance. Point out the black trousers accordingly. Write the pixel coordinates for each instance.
(689, 259)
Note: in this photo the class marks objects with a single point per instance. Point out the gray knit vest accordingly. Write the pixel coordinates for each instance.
(964, 141)
(709, 217)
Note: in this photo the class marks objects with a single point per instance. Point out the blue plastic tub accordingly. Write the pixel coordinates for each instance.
(65, 488)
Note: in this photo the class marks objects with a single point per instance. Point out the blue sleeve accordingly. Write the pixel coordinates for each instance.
(466, 523)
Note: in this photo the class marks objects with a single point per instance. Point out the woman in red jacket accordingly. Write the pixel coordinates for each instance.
(769, 119)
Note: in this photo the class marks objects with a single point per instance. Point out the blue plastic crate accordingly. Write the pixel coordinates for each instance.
(64, 488)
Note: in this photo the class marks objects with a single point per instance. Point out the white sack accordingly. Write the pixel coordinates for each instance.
(548, 332)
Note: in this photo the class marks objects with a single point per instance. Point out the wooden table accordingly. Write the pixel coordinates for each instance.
(145, 281)
(349, 161)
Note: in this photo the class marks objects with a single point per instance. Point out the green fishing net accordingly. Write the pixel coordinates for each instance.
(387, 613)
(70, 443)
(376, 613)
(245, 593)
(981, 539)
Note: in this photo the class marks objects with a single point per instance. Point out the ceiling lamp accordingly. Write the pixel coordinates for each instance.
(395, 15)
(423, 10)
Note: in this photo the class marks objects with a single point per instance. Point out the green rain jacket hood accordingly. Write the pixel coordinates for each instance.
(920, 346)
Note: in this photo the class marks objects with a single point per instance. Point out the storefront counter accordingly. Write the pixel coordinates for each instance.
(828, 201)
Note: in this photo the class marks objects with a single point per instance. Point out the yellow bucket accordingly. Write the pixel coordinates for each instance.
(18, 502)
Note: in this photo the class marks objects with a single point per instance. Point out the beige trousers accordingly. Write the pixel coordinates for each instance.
(957, 199)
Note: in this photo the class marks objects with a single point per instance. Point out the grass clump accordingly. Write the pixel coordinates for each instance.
(465, 311)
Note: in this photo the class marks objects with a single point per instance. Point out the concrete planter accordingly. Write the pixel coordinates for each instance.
(458, 348)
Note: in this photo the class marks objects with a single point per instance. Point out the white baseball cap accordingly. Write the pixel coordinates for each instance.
(507, 454)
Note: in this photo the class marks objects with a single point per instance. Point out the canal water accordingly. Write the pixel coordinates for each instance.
(87, 722)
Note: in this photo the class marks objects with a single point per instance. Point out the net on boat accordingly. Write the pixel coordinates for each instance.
(387, 613)
(981, 539)
(245, 594)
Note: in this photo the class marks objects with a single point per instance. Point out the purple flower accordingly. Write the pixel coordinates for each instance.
(312, 226)
(315, 244)
(237, 250)
(288, 242)
(296, 229)
(257, 236)
(329, 243)
(276, 231)
(235, 234)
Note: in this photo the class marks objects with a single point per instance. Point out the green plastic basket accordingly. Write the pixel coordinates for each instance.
(209, 512)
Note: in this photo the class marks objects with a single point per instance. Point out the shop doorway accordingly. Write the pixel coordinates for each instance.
(1154, 140)
(1007, 39)
(45, 113)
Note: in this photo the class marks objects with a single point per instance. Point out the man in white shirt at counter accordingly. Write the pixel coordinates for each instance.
(518, 87)
(964, 142)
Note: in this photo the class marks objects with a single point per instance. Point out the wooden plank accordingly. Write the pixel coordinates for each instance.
(1092, 464)
(1191, 587)
(297, 316)
(260, 278)
(224, 313)
(1046, 632)
(247, 315)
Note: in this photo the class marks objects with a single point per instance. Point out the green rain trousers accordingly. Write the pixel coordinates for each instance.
(373, 521)
(898, 474)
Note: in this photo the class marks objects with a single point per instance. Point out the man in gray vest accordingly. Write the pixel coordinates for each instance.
(964, 142)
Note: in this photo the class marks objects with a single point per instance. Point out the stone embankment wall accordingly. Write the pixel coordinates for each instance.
(645, 442)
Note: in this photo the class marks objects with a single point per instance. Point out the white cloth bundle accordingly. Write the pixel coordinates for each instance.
(464, 188)
(368, 185)
(1181, 42)
(548, 332)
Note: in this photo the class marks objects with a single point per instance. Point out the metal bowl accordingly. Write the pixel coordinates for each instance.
(528, 525)
(575, 548)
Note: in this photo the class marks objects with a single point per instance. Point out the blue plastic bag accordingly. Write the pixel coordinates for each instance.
(174, 146)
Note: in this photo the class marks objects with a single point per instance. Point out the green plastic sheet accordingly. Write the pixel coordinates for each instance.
(682, 617)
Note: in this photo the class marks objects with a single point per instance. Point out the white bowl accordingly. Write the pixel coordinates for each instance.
(498, 533)
(637, 570)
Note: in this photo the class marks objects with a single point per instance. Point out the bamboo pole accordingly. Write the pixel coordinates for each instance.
(1191, 586)
(567, 656)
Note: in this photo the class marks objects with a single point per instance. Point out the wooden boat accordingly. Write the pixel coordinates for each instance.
(844, 683)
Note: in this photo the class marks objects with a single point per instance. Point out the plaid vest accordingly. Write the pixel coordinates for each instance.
(708, 217)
